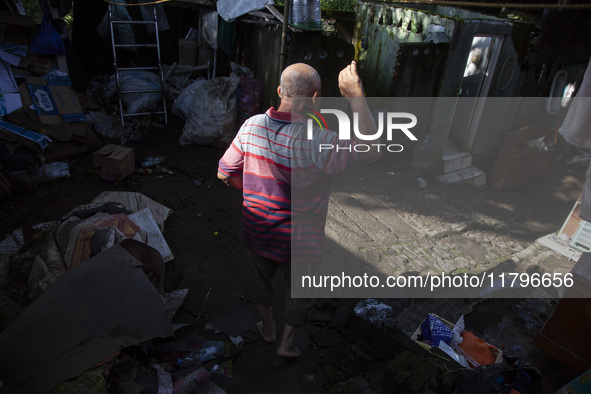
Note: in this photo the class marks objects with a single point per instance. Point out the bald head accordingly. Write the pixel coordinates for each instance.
(300, 80)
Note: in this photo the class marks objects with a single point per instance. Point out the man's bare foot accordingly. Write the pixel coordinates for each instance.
(268, 334)
(292, 352)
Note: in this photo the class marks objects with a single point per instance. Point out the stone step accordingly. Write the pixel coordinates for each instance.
(456, 161)
(471, 175)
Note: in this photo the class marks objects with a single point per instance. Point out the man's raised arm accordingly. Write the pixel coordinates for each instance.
(352, 89)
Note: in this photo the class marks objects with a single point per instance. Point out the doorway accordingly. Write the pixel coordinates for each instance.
(476, 82)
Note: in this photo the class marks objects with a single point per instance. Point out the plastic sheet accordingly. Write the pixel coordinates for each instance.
(136, 80)
(230, 9)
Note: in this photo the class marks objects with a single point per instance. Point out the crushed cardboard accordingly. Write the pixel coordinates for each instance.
(22, 136)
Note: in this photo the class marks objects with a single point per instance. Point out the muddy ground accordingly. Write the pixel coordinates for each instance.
(204, 234)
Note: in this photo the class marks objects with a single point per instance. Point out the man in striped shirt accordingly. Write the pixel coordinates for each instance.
(269, 159)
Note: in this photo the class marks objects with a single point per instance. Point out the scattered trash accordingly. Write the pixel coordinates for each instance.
(13, 243)
(136, 202)
(375, 312)
(144, 171)
(164, 380)
(210, 351)
(224, 368)
(421, 182)
(93, 333)
(197, 182)
(103, 125)
(237, 341)
(152, 161)
(538, 144)
(24, 137)
(462, 346)
(150, 232)
(174, 300)
(136, 81)
(190, 382)
(53, 171)
(433, 331)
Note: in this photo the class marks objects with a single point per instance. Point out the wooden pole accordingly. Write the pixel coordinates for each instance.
(283, 54)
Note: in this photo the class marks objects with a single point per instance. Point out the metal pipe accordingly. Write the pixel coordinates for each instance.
(283, 54)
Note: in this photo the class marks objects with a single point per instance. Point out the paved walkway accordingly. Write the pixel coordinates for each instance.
(397, 227)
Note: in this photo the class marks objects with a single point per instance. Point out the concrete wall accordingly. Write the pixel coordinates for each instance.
(379, 31)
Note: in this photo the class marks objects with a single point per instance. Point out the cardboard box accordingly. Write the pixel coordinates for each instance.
(22, 136)
(415, 337)
(114, 162)
(54, 99)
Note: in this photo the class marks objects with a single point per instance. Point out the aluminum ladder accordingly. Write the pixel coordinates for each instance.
(118, 69)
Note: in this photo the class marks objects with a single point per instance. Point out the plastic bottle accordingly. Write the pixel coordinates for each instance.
(188, 359)
(210, 350)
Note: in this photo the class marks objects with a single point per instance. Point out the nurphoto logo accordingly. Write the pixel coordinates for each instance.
(394, 121)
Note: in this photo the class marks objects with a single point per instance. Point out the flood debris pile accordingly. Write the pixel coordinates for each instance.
(83, 298)
(360, 348)
(51, 114)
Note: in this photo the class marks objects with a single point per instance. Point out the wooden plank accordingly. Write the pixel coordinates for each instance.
(279, 16)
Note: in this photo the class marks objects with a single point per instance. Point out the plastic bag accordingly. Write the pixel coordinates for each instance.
(230, 9)
(47, 40)
(210, 29)
(124, 32)
(136, 80)
(435, 331)
(212, 114)
(182, 104)
(53, 171)
(103, 124)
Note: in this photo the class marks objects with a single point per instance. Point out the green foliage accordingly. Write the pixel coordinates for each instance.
(338, 5)
(330, 5)
(33, 9)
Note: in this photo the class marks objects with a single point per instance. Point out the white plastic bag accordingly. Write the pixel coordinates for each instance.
(182, 104)
(136, 80)
(53, 171)
(212, 114)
